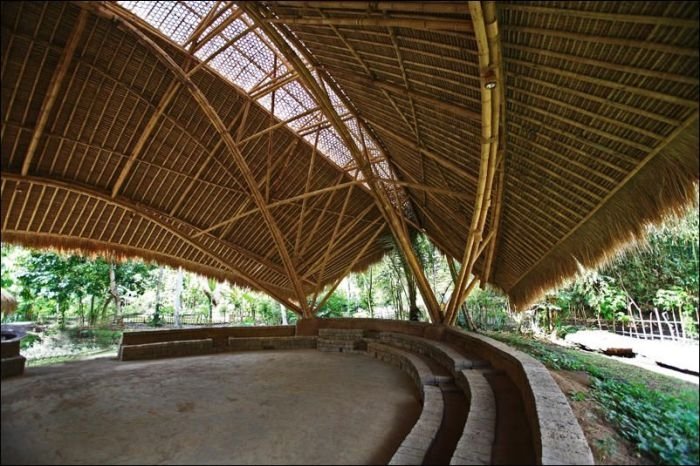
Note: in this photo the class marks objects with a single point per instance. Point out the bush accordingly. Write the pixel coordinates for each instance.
(664, 427)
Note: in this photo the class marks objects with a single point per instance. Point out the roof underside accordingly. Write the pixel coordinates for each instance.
(600, 134)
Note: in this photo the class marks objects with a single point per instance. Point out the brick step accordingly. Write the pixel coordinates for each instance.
(476, 443)
(449, 387)
(333, 345)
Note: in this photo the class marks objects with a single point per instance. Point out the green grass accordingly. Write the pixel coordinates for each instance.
(659, 414)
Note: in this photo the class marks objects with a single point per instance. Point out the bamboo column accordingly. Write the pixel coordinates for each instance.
(486, 32)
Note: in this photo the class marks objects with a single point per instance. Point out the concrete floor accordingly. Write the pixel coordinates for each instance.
(271, 407)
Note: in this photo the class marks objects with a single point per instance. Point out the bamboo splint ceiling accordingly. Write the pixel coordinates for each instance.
(181, 132)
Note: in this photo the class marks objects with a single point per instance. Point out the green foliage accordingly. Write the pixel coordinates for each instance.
(664, 427)
(28, 341)
(103, 338)
(578, 396)
(336, 306)
(662, 422)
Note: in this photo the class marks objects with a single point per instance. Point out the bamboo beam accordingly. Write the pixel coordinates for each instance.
(605, 40)
(486, 33)
(273, 86)
(277, 125)
(53, 89)
(289, 200)
(331, 243)
(348, 269)
(145, 134)
(217, 30)
(690, 120)
(414, 146)
(411, 7)
(663, 75)
(215, 119)
(495, 223)
(430, 189)
(423, 24)
(311, 265)
(470, 287)
(380, 196)
(379, 84)
(212, 15)
(146, 213)
(307, 186)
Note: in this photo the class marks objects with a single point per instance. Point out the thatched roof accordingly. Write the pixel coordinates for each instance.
(114, 138)
(8, 303)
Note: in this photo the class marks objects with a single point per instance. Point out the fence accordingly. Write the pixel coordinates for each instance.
(185, 319)
(649, 325)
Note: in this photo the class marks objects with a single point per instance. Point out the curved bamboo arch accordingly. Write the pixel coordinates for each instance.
(154, 218)
(184, 79)
(483, 15)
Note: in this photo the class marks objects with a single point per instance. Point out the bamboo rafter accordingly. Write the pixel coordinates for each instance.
(230, 144)
(153, 217)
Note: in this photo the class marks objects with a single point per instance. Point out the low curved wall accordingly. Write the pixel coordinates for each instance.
(557, 436)
(219, 335)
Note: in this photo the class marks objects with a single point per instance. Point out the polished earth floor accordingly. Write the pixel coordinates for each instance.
(269, 407)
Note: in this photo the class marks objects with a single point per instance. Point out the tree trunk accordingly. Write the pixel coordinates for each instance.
(91, 315)
(81, 312)
(178, 297)
(114, 291)
(156, 315)
(283, 311)
(369, 295)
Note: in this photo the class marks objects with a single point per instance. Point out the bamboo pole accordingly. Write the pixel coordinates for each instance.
(347, 270)
(53, 89)
(146, 213)
(380, 196)
(600, 15)
(690, 120)
(424, 24)
(215, 119)
(410, 7)
(486, 33)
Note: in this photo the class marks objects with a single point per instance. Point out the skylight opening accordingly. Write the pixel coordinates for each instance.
(247, 58)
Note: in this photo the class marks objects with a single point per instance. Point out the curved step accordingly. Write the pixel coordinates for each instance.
(476, 442)
(166, 349)
(441, 352)
(417, 443)
(419, 371)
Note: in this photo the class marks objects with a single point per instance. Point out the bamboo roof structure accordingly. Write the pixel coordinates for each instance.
(278, 144)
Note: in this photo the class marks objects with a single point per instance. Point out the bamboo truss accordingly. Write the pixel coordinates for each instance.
(277, 144)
